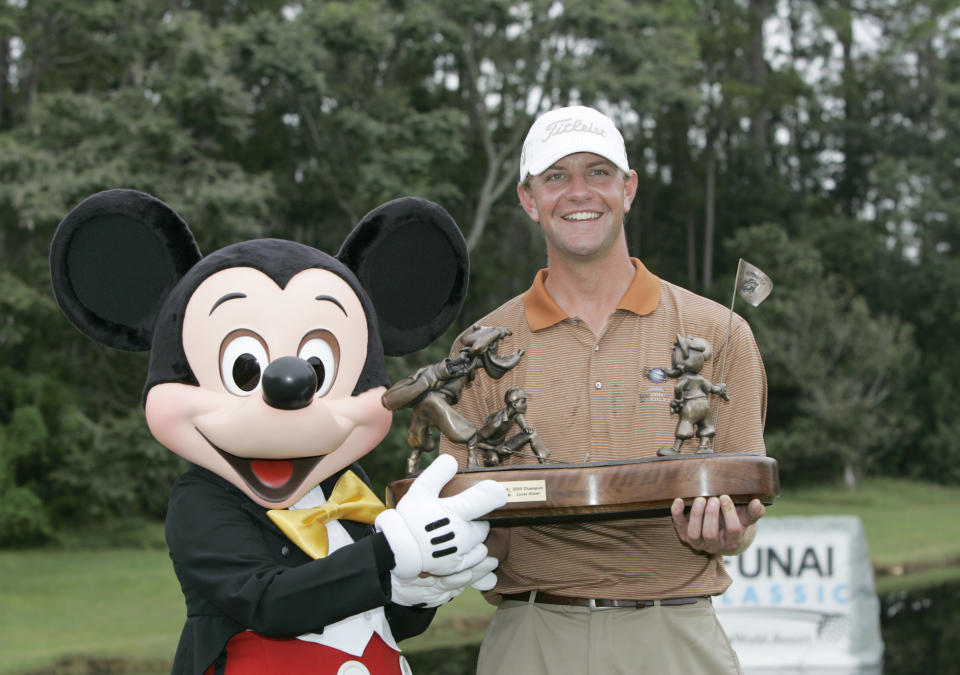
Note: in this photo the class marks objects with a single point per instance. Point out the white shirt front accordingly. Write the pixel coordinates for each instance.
(352, 634)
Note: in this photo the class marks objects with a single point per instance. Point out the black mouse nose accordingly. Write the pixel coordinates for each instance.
(289, 383)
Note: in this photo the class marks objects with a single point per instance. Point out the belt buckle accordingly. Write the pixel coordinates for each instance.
(592, 604)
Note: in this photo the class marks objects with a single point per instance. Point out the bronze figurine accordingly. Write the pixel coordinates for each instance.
(433, 390)
(690, 394)
(493, 444)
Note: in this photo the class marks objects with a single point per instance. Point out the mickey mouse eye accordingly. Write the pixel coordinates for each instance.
(322, 351)
(243, 356)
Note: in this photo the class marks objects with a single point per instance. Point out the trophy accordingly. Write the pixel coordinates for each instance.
(557, 491)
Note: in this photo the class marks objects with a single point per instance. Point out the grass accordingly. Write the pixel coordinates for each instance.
(95, 603)
(126, 604)
(910, 526)
(460, 622)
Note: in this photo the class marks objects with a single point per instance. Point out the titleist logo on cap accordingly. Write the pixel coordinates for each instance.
(569, 125)
(567, 131)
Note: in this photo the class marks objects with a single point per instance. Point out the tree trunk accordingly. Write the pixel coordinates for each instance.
(4, 76)
(850, 477)
(757, 75)
(853, 166)
(499, 175)
(709, 215)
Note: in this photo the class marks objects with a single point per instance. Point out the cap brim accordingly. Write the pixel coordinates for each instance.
(545, 162)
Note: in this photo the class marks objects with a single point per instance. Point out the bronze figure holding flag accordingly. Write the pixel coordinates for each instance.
(690, 353)
(690, 394)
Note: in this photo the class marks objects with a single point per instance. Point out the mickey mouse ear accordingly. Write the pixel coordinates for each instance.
(412, 260)
(113, 260)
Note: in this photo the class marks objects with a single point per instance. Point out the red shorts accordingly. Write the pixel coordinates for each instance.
(251, 654)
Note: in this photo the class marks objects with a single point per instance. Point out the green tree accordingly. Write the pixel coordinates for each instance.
(294, 119)
(836, 405)
(100, 95)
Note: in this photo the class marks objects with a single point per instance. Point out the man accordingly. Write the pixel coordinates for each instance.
(620, 595)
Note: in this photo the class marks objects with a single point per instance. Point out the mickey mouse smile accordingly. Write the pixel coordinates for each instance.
(273, 480)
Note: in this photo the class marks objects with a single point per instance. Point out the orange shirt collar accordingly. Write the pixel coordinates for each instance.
(642, 297)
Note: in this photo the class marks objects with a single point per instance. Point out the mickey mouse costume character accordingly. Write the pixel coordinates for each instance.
(266, 372)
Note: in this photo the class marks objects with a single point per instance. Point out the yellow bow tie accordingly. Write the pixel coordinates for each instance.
(351, 499)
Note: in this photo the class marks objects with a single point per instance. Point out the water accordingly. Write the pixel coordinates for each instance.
(921, 630)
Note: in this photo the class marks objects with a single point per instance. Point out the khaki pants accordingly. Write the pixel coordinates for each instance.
(539, 639)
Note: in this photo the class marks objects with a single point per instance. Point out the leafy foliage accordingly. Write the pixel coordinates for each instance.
(766, 130)
(838, 365)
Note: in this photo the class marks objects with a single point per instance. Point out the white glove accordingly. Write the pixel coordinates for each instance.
(437, 535)
(432, 591)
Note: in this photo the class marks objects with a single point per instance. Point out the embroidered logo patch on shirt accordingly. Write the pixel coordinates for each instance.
(656, 375)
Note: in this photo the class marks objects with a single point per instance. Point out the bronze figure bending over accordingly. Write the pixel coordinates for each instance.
(493, 444)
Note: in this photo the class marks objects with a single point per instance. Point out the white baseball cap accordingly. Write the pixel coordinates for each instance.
(564, 131)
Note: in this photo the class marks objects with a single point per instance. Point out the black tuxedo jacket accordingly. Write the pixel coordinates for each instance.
(238, 571)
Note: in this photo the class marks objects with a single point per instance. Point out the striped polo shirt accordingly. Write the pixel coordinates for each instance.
(601, 398)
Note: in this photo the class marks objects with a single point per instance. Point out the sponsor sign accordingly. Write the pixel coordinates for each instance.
(803, 599)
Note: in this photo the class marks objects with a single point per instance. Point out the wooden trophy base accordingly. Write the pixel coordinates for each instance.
(546, 493)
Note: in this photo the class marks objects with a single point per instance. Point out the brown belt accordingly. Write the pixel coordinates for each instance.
(599, 603)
